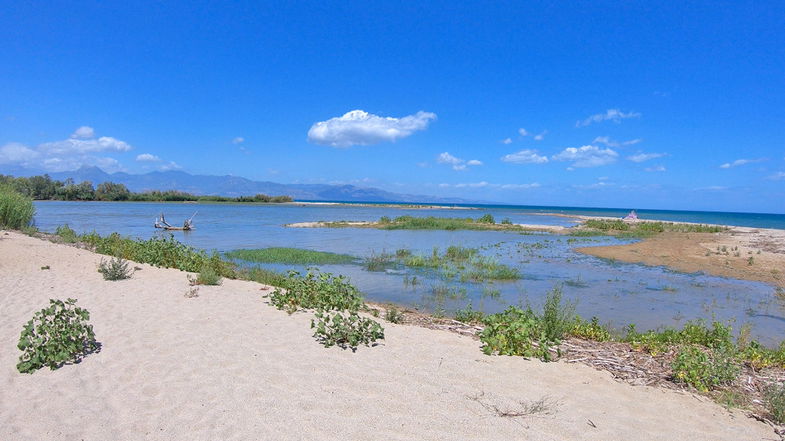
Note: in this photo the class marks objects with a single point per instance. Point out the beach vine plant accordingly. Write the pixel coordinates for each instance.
(115, 269)
(56, 335)
(345, 330)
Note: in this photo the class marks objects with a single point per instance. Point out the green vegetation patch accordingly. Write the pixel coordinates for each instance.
(293, 256)
(618, 227)
(16, 209)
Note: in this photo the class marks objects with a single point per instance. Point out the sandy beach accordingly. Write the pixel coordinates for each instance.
(226, 365)
(741, 253)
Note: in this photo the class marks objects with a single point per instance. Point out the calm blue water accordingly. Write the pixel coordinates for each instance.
(617, 293)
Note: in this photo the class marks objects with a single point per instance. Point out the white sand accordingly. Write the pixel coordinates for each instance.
(227, 366)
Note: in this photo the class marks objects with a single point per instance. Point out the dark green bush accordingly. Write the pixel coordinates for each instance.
(54, 336)
(345, 330)
(317, 290)
(705, 369)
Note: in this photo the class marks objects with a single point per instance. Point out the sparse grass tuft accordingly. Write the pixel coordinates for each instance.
(115, 269)
(207, 276)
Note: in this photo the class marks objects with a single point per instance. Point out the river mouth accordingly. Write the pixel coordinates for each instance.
(617, 293)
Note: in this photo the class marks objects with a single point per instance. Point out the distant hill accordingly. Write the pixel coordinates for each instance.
(236, 186)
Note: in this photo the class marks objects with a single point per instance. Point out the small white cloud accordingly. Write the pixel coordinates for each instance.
(586, 156)
(540, 136)
(519, 186)
(739, 162)
(643, 157)
(81, 146)
(525, 157)
(456, 163)
(614, 115)
(83, 132)
(779, 176)
(147, 157)
(238, 140)
(611, 143)
(523, 132)
(506, 141)
(712, 188)
(595, 186)
(602, 178)
(362, 128)
(656, 168)
(171, 165)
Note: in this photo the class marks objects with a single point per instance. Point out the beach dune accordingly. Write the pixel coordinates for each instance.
(226, 365)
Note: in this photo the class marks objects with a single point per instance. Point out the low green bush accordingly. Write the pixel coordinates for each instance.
(317, 290)
(393, 315)
(345, 330)
(705, 369)
(115, 269)
(56, 335)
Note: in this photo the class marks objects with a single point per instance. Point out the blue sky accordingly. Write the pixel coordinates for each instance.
(621, 104)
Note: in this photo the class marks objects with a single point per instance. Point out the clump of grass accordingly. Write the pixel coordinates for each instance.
(292, 256)
(393, 315)
(115, 269)
(16, 210)
(775, 402)
(67, 234)
(469, 315)
(485, 222)
(378, 262)
(207, 276)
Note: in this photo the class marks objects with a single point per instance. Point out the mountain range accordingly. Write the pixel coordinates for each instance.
(236, 186)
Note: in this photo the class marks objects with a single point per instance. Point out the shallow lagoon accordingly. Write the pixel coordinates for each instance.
(617, 293)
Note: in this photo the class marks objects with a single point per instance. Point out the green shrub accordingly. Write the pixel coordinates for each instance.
(693, 332)
(591, 330)
(515, 332)
(54, 336)
(317, 290)
(16, 210)
(486, 219)
(115, 269)
(705, 369)
(775, 401)
(506, 221)
(348, 330)
(207, 276)
(67, 234)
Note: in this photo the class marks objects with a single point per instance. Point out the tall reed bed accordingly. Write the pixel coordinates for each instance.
(16, 210)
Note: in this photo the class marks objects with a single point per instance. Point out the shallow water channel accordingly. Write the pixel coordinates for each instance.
(617, 293)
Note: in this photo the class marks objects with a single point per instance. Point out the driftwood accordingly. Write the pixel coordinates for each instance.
(160, 222)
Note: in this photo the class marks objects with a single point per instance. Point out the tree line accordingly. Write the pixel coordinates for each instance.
(45, 188)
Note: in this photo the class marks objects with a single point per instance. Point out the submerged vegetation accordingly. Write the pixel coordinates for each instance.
(45, 188)
(294, 256)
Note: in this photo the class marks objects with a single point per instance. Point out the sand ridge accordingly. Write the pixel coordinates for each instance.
(226, 365)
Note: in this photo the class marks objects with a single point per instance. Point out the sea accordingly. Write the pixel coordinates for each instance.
(616, 293)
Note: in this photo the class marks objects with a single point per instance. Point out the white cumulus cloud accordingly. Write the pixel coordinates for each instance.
(16, 153)
(779, 176)
(614, 115)
(506, 141)
(525, 157)
(540, 136)
(456, 163)
(362, 128)
(587, 156)
(656, 168)
(83, 132)
(238, 140)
